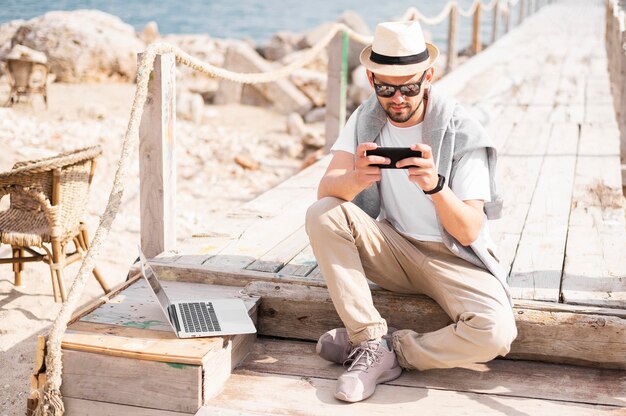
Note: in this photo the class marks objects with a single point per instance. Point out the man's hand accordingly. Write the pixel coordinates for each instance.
(365, 174)
(422, 170)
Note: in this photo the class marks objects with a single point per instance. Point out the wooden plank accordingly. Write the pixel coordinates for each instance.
(141, 344)
(300, 265)
(498, 377)
(132, 325)
(157, 166)
(167, 386)
(276, 258)
(537, 268)
(519, 166)
(306, 312)
(137, 306)
(80, 407)
(265, 394)
(226, 232)
(595, 266)
(255, 241)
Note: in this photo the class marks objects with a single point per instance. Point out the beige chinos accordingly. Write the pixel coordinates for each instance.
(349, 246)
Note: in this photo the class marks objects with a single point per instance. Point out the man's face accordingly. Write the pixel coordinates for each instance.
(402, 108)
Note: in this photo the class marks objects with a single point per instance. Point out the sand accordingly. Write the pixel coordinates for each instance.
(209, 184)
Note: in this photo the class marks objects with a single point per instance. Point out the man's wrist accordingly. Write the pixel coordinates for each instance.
(440, 184)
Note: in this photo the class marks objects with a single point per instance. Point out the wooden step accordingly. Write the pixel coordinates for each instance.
(588, 336)
(287, 377)
(120, 355)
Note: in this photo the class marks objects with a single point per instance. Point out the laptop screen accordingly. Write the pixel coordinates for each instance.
(148, 273)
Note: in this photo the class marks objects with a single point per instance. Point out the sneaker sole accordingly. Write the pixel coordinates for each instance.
(388, 375)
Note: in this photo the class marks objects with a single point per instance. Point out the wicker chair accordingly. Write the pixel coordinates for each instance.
(48, 198)
(26, 78)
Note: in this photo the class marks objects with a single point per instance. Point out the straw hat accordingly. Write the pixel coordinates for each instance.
(399, 49)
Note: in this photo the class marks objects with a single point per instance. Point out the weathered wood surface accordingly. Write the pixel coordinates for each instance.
(306, 312)
(265, 394)
(157, 171)
(132, 325)
(498, 377)
(167, 386)
(80, 407)
(122, 352)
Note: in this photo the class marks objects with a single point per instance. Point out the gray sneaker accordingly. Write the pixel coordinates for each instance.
(371, 363)
(334, 345)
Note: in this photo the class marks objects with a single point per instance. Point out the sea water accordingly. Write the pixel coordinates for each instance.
(254, 19)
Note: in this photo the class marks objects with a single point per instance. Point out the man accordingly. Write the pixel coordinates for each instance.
(419, 228)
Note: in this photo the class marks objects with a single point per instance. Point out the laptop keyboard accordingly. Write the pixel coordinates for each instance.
(199, 317)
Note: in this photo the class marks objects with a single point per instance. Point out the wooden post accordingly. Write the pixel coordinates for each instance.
(507, 19)
(494, 24)
(336, 88)
(157, 164)
(522, 7)
(476, 43)
(452, 29)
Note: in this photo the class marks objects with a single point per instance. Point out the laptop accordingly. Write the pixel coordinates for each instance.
(199, 317)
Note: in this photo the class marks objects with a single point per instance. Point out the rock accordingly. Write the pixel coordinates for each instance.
(252, 96)
(206, 49)
(150, 32)
(312, 84)
(280, 45)
(313, 140)
(190, 106)
(315, 116)
(83, 45)
(295, 125)
(356, 23)
(283, 95)
(360, 89)
(311, 158)
(318, 63)
(313, 36)
(7, 30)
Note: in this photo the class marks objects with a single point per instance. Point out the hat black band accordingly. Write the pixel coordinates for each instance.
(399, 60)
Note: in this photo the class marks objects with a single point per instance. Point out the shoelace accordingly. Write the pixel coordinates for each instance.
(363, 357)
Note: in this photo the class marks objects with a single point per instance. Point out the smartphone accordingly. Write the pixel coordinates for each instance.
(396, 154)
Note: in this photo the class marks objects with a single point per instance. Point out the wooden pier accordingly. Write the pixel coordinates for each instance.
(543, 93)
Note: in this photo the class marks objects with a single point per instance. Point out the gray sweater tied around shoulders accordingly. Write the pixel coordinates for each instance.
(452, 133)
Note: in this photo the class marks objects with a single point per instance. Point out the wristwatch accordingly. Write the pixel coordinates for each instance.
(439, 187)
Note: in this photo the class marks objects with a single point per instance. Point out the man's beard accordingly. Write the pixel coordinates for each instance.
(401, 117)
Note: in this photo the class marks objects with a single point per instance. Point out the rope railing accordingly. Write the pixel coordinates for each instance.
(49, 400)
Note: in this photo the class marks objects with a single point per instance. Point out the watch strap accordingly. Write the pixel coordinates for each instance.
(440, 183)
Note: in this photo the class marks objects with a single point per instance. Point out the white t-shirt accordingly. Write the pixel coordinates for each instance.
(403, 203)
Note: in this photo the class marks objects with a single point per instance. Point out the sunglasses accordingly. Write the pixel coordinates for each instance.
(388, 90)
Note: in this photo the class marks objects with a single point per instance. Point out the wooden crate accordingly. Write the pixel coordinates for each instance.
(121, 357)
